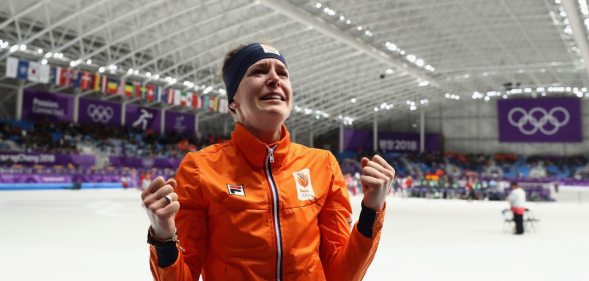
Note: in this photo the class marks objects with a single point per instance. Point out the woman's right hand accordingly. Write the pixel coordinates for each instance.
(161, 204)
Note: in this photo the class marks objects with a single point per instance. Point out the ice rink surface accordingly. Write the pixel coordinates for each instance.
(100, 235)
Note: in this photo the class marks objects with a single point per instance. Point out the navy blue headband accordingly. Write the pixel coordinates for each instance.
(245, 58)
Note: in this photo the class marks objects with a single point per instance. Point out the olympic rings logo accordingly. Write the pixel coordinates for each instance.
(99, 113)
(538, 117)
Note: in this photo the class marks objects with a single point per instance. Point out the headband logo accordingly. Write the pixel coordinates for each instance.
(269, 49)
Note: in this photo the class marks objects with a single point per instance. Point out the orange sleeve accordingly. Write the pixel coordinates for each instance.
(191, 224)
(344, 255)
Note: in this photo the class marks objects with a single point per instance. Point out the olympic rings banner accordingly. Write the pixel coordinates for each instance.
(43, 106)
(540, 120)
(143, 118)
(97, 112)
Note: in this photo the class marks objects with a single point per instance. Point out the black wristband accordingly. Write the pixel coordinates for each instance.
(167, 254)
(366, 221)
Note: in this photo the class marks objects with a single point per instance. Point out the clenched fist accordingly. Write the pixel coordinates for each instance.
(377, 176)
(161, 204)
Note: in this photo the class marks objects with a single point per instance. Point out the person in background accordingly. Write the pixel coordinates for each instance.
(259, 207)
(517, 201)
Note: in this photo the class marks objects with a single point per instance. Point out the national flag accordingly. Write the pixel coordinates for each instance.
(213, 104)
(195, 100)
(11, 67)
(189, 98)
(23, 70)
(159, 92)
(183, 98)
(150, 92)
(137, 89)
(223, 106)
(65, 77)
(205, 102)
(121, 87)
(104, 84)
(112, 86)
(170, 97)
(96, 84)
(143, 90)
(38, 72)
(76, 78)
(86, 82)
(177, 97)
(129, 90)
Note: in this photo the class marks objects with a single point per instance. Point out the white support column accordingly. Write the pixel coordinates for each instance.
(197, 122)
(341, 137)
(77, 93)
(163, 121)
(195, 125)
(422, 131)
(123, 113)
(375, 132)
(19, 100)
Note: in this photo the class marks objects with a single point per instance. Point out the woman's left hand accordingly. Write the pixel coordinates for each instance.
(377, 176)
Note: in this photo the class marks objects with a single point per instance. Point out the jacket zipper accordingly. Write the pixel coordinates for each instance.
(275, 213)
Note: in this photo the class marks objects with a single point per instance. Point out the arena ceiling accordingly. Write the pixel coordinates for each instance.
(347, 58)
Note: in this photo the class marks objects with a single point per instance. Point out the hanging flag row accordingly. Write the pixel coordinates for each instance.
(102, 83)
(27, 70)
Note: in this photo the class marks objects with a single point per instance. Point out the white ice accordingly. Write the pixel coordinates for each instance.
(100, 235)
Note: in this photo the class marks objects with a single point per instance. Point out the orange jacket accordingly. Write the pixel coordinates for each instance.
(231, 227)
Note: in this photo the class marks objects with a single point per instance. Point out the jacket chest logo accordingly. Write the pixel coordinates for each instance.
(304, 186)
(236, 189)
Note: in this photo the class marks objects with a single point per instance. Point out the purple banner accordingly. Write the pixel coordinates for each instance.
(142, 118)
(144, 162)
(39, 106)
(540, 120)
(65, 178)
(28, 159)
(355, 140)
(179, 123)
(92, 111)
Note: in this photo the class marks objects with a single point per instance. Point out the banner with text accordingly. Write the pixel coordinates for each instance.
(97, 112)
(179, 123)
(142, 118)
(120, 161)
(43, 106)
(355, 140)
(540, 120)
(28, 159)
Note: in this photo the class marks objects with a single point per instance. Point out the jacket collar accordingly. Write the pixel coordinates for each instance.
(256, 151)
